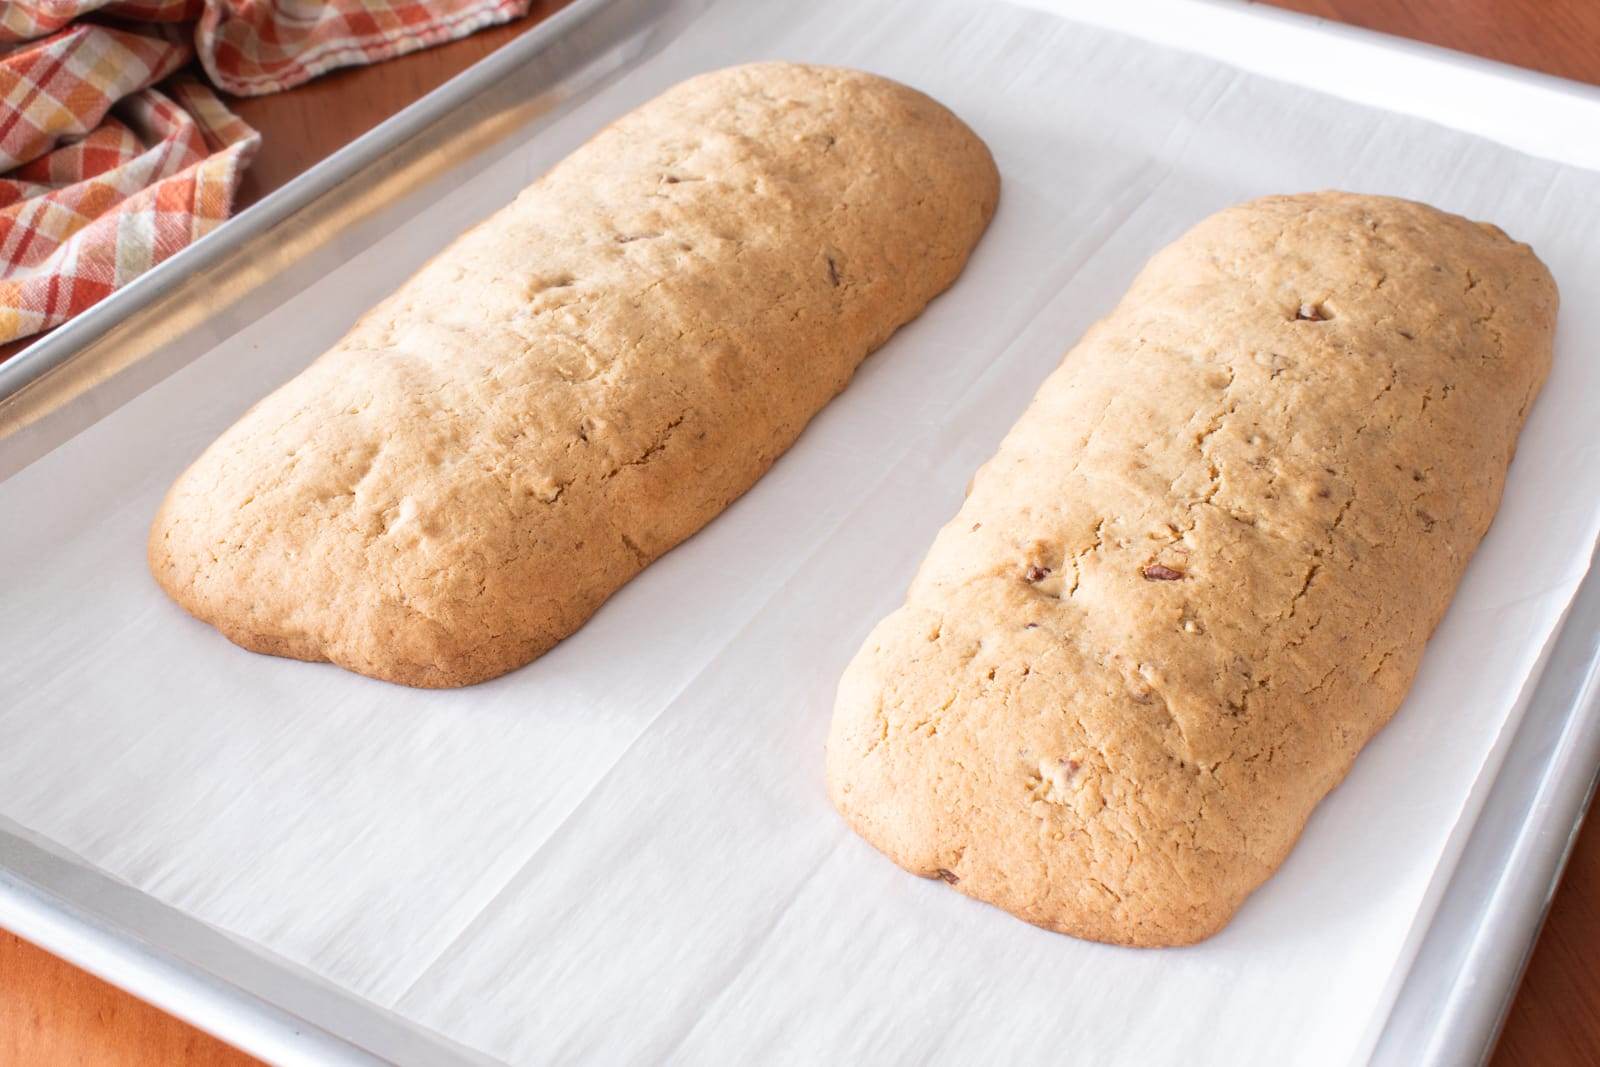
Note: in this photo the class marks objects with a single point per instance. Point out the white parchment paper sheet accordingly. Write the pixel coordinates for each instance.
(623, 852)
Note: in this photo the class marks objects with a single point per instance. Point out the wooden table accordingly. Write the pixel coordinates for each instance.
(52, 1013)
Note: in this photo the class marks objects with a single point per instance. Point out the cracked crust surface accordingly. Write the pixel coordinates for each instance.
(1199, 574)
(579, 382)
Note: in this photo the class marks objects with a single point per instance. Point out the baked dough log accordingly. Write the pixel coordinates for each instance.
(581, 381)
(1199, 573)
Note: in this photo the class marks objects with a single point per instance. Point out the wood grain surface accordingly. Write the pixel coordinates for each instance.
(52, 1013)
(306, 124)
(1560, 37)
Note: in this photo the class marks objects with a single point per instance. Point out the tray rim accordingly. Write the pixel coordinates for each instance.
(62, 344)
(37, 884)
(41, 885)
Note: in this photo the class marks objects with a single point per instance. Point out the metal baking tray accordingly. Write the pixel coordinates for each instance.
(1466, 968)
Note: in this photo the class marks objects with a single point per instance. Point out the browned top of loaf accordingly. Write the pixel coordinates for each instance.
(1200, 571)
(581, 381)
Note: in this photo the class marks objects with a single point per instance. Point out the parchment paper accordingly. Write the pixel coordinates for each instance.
(623, 853)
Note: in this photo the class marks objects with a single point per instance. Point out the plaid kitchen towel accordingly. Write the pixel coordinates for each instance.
(111, 159)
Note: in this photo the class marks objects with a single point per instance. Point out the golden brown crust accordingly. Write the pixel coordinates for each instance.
(581, 381)
(1199, 574)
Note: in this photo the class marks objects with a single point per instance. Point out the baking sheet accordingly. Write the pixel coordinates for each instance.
(623, 851)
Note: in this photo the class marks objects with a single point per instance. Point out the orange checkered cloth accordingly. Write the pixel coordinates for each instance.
(114, 156)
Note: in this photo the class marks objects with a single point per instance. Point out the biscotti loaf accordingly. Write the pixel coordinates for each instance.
(581, 381)
(1199, 573)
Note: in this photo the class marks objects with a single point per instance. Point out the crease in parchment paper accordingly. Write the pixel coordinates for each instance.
(624, 852)
(750, 955)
